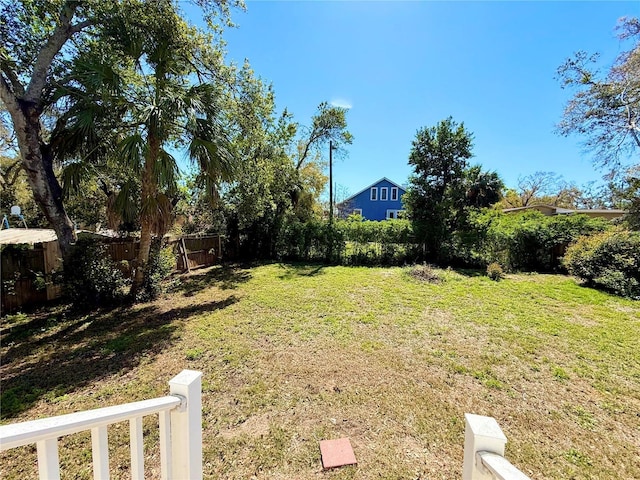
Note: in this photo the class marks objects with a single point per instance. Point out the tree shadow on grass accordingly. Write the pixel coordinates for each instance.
(225, 277)
(87, 348)
(293, 270)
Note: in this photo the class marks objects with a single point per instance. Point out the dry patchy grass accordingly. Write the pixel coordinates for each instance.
(293, 354)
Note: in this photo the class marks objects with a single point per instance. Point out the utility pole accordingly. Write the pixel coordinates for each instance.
(331, 148)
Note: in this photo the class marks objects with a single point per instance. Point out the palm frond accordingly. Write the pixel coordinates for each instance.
(122, 207)
(131, 151)
(73, 175)
(159, 210)
(213, 159)
(166, 172)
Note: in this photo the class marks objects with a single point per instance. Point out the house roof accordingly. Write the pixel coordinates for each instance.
(373, 185)
(26, 235)
(38, 235)
(601, 210)
(564, 211)
(558, 210)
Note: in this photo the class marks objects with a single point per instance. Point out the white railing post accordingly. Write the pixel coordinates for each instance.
(48, 462)
(186, 426)
(136, 445)
(480, 434)
(100, 452)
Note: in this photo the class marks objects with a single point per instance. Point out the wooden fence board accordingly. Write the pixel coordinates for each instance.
(18, 266)
(200, 251)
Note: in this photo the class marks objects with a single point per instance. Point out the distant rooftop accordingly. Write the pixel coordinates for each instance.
(552, 210)
(26, 235)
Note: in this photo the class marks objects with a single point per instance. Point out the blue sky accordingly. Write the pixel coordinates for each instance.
(405, 65)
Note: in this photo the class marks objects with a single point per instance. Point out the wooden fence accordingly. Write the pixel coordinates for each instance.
(28, 274)
(27, 277)
(193, 252)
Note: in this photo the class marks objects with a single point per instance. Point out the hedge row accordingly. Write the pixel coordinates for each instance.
(528, 241)
(349, 242)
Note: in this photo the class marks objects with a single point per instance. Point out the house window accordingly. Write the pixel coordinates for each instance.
(357, 211)
(374, 193)
(394, 194)
(383, 194)
(394, 214)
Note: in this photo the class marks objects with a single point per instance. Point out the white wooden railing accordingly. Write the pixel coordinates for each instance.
(484, 451)
(180, 425)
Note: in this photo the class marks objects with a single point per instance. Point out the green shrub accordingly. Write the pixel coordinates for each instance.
(608, 260)
(494, 271)
(528, 241)
(162, 262)
(350, 242)
(313, 240)
(92, 277)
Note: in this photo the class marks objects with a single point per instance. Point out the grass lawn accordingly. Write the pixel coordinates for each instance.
(293, 354)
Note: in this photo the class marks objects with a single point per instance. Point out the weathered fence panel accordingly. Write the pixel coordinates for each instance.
(27, 270)
(27, 274)
(123, 250)
(200, 251)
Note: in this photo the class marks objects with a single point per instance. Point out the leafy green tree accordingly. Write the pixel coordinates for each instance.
(281, 176)
(40, 41)
(255, 202)
(483, 189)
(31, 61)
(328, 123)
(435, 197)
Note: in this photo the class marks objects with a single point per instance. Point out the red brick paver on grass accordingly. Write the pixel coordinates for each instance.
(337, 453)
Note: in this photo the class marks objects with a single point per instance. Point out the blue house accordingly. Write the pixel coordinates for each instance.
(380, 201)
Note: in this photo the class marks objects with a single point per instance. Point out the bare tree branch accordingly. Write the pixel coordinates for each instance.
(18, 88)
(7, 96)
(60, 35)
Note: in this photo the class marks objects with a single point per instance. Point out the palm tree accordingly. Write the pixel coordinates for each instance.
(171, 100)
(171, 109)
(483, 189)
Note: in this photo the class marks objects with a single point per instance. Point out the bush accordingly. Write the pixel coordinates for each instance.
(92, 277)
(494, 271)
(529, 241)
(313, 240)
(382, 243)
(348, 242)
(162, 262)
(609, 260)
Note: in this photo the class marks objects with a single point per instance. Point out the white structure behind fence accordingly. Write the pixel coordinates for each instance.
(180, 423)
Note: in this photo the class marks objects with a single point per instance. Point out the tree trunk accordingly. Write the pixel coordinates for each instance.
(38, 165)
(147, 194)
